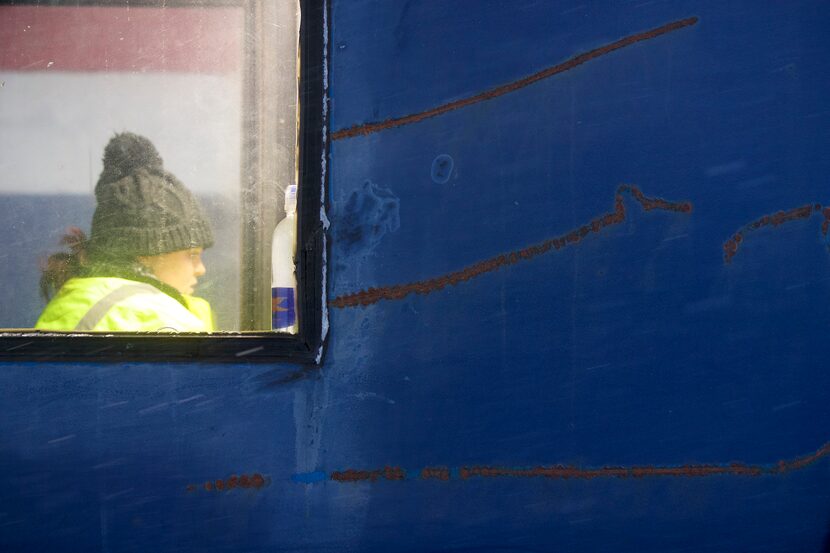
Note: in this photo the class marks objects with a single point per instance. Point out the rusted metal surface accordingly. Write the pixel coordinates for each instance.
(400, 291)
(730, 247)
(369, 128)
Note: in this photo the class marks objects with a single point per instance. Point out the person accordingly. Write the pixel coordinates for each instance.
(137, 270)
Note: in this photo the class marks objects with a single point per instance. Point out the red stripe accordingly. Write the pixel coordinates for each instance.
(183, 40)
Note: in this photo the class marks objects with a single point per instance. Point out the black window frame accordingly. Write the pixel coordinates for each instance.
(305, 347)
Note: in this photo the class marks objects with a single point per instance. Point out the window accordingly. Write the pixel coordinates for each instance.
(139, 131)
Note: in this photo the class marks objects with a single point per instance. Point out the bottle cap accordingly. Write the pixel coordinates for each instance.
(290, 199)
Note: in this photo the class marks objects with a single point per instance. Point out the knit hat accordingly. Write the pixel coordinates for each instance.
(142, 209)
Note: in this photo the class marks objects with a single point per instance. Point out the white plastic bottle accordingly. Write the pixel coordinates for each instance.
(283, 280)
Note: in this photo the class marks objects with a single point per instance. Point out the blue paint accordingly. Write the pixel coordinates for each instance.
(639, 346)
(309, 477)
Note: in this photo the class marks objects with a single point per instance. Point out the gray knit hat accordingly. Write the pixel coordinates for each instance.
(142, 209)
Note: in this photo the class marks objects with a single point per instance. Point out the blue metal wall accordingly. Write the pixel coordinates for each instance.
(640, 380)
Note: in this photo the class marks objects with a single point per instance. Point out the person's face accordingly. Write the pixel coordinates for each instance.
(180, 269)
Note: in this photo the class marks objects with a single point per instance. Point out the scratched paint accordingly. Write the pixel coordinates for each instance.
(569, 472)
(576, 61)
(731, 246)
(400, 291)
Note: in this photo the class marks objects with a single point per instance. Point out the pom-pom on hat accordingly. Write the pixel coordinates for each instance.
(142, 209)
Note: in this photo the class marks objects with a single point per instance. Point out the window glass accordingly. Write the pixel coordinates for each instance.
(149, 147)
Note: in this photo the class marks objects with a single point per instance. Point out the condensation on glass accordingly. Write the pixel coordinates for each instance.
(213, 86)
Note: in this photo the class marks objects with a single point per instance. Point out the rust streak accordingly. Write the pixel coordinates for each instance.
(800, 462)
(435, 473)
(369, 128)
(567, 472)
(693, 471)
(386, 473)
(400, 291)
(256, 481)
(730, 247)
(649, 204)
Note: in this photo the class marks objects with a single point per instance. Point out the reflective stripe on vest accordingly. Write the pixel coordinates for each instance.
(102, 306)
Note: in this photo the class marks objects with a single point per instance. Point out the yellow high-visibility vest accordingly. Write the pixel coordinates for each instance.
(110, 304)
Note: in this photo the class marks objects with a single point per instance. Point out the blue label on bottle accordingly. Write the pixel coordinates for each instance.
(282, 307)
